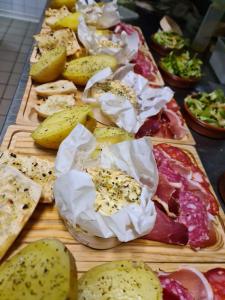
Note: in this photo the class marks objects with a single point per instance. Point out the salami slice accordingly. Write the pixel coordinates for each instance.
(216, 278)
(193, 214)
(173, 290)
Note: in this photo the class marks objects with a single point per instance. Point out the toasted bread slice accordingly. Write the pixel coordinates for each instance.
(48, 40)
(60, 87)
(54, 104)
(19, 196)
(39, 170)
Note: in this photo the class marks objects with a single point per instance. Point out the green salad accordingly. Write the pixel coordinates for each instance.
(170, 39)
(183, 65)
(208, 107)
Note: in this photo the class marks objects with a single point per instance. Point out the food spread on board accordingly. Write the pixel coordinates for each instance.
(99, 96)
(46, 269)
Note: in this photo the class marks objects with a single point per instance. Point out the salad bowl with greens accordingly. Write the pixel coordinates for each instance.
(181, 70)
(164, 42)
(208, 111)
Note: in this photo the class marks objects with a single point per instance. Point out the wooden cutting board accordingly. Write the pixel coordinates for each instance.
(27, 115)
(46, 222)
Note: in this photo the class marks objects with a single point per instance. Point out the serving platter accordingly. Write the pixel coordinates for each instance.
(46, 222)
(27, 115)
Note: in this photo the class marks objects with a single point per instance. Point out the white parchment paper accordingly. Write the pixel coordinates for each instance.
(119, 109)
(75, 192)
(126, 45)
(104, 16)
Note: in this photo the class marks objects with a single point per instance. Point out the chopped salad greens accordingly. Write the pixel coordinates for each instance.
(208, 107)
(183, 65)
(170, 39)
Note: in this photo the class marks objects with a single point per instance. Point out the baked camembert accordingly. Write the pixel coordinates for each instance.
(114, 190)
(115, 87)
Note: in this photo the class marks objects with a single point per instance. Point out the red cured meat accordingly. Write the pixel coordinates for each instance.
(193, 214)
(194, 281)
(174, 107)
(166, 230)
(144, 66)
(173, 290)
(198, 177)
(175, 123)
(129, 29)
(216, 278)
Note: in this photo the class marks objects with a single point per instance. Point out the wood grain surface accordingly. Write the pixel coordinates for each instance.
(46, 222)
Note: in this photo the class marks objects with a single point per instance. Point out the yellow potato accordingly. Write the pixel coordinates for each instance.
(59, 3)
(50, 65)
(53, 130)
(70, 21)
(82, 69)
(111, 135)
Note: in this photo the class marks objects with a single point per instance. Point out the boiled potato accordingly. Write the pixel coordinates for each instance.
(42, 270)
(120, 280)
(111, 135)
(50, 65)
(80, 70)
(70, 21)
(53, 130)
(59, 3)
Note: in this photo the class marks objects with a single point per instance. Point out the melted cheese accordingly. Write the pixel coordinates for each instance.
(115, 87)
(114, 190)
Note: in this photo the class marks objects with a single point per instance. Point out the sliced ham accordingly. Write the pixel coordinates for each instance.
(144, 66)
(176, 126)
(173, 290)
(194, 281)
(216, 278)
(166, 230)
(129, 29)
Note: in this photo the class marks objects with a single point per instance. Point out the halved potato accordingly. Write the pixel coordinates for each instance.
(112, 135)
(53, 130)
(43, 270)
(70, 21)
(59, 3)
(80, 70)
(120, 280)
(50, 65)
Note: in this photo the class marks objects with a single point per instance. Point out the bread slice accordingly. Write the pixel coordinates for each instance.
(60, 87)
(39, 170)
(53, 104)
(19, 196)
(48, 40)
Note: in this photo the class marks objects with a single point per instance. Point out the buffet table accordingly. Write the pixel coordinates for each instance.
(211, 151)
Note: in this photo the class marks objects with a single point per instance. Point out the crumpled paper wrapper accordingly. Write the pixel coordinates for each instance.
(104, 16)
(126, 46)
(75, 192)
(119, 109)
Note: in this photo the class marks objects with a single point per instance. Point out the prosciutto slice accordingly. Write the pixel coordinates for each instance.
(166, 230)
(169, 123)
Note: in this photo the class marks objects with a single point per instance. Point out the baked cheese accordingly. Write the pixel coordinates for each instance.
(114, 190)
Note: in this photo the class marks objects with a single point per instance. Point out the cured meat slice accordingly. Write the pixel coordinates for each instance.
(166, 230)
(129, 29)
(216, 278)
(173, 290)
(195, 178)
(194, 281)
(144, 66)
(193, 214)
(175, 124)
